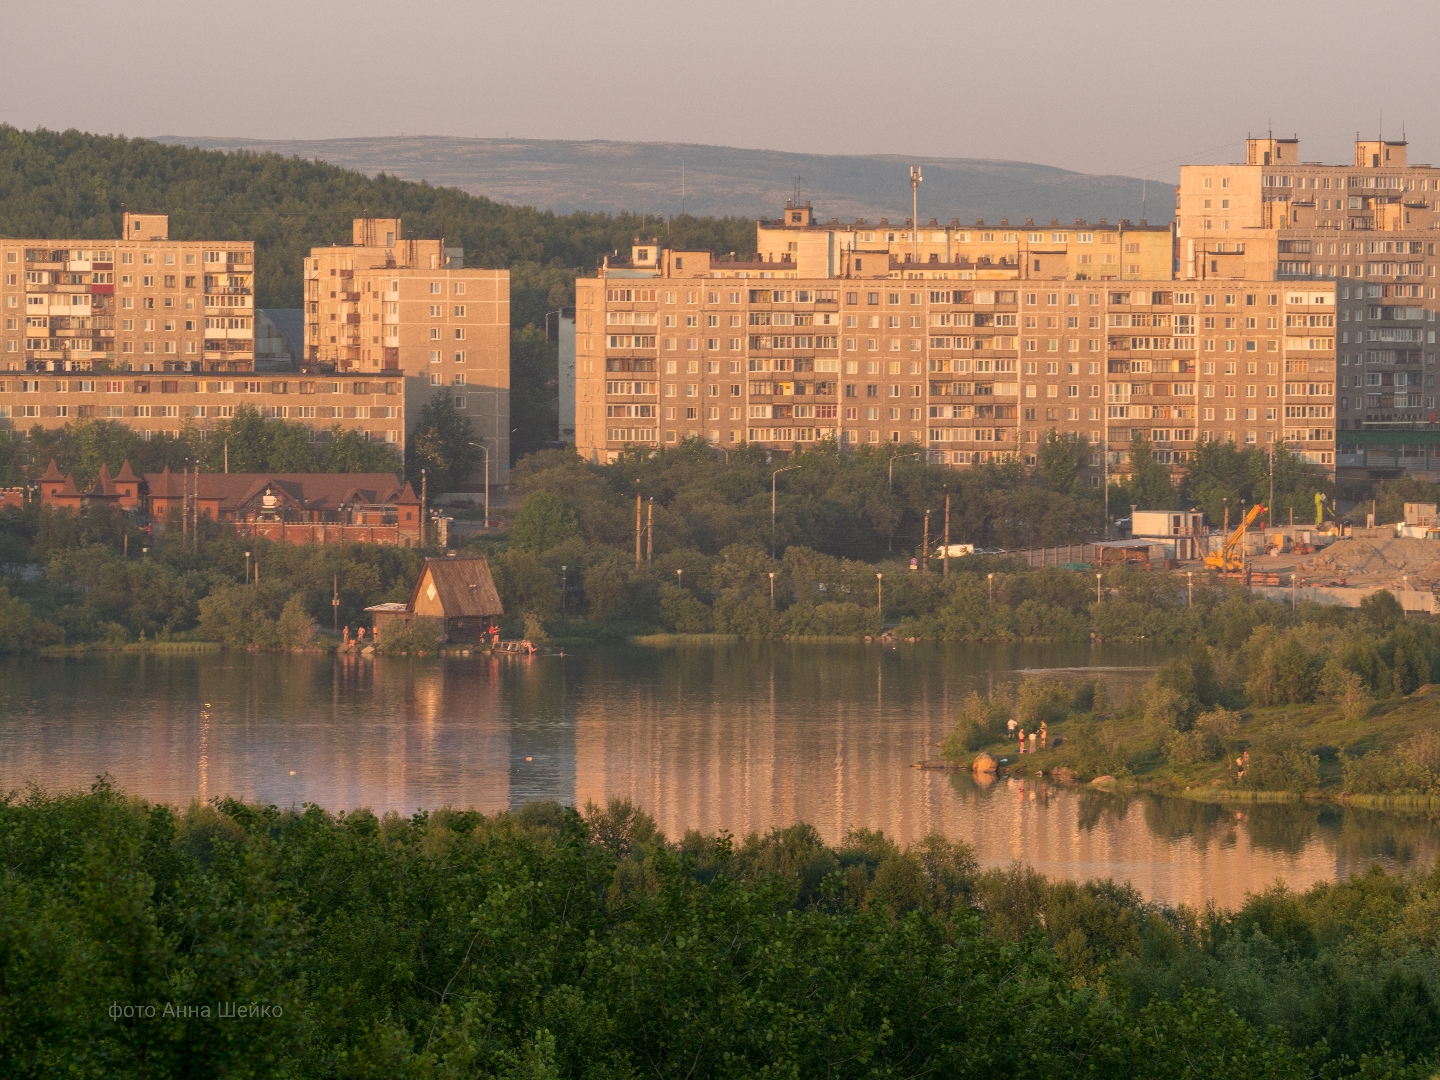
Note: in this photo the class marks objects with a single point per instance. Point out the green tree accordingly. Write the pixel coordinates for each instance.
(442, 444)
(534, 386)
(1060, 459)
(1148, 485)
(350, 452)
(545, 521)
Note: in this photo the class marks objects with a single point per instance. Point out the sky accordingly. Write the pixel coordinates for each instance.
(1131, 88)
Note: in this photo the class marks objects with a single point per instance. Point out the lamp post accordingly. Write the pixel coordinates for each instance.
(679, 580)
(247, 568)
(992, 587)
(1097, 588)
(1189, 588)
(486, 451)
(773, 476)
(563, 571)
(772, 588)
(880, 597)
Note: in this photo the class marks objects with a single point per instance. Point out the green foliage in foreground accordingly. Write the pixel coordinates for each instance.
(542, 944)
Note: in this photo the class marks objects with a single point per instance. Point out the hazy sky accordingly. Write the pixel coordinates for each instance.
(1098, 87)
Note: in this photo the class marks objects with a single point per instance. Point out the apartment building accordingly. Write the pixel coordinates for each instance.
(384, 306)
(381, 409)
(142, 303)
(1367, 230)
(963, 359)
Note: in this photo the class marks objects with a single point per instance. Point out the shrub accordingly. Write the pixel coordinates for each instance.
(1278, 764)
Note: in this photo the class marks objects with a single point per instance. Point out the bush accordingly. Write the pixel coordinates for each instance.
(1278, 764)
(980, 721)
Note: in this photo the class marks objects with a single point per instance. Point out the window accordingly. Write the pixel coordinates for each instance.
(435, 288)
(459, 311)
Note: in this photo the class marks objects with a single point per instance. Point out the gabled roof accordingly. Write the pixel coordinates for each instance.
(464, 587)
(310, 491)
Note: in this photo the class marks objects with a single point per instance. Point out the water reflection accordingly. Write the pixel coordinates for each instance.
(739, 737)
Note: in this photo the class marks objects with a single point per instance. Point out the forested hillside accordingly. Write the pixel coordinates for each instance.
(73, 184)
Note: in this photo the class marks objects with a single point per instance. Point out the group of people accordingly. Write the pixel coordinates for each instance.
(1039, 736)
(359, 643)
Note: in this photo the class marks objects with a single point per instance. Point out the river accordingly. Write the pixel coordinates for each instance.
(738, 737)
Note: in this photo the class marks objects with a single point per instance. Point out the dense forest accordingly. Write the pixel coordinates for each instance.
(240, 940)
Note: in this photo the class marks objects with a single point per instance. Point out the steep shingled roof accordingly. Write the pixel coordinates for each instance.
(464, 588)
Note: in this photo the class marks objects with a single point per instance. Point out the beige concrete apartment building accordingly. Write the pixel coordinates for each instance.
(385, 307)
(381, 409)
(1367, 230)
(142, 303)
(970, 360)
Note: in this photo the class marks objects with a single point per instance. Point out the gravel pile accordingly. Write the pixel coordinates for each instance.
(1354, 557)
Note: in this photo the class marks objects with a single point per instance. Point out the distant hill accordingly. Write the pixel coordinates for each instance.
(645, 178)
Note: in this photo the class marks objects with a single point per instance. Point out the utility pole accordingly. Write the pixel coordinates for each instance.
(424, 527)
(638, 502)
(650, 531)
(925, 549)
(915, 179)
(945, 558)
(335, 601)
(185, 501)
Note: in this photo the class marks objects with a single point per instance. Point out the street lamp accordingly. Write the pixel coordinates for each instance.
(1097, 588)
(563, 569)
(773, 476)
(992, 587)
(486, 451)
(679, 581)
(892, 468)
(880, 597)
(1190, 588)
(247, 568)
(772, 588)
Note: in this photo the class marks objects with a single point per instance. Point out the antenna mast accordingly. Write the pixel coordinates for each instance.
(915, 179)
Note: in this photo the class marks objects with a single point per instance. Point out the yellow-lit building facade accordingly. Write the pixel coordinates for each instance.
(141, 303)
(1367, 230)
(385, 307)
(964, 358)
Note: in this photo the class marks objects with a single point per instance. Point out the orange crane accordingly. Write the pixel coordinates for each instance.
(1231, 557)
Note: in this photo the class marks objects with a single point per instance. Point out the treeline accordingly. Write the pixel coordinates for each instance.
(101, 586)
(543, 943)
(440, 443)
(838, 520)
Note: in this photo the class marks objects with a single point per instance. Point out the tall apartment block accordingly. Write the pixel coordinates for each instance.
(141, 303)
(1366, 230)
(384, 306)
(159, 335)
(962, 343)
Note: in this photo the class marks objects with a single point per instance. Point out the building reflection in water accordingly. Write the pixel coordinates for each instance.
(743, 738)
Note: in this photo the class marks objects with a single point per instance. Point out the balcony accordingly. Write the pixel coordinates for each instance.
(350, 297)
(226, 290)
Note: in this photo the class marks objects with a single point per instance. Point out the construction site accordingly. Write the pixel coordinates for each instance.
(1331, 563)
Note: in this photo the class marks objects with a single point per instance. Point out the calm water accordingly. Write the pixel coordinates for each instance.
(710, 737)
